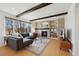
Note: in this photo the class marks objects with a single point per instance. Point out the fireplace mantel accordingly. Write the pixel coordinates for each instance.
(42, 28)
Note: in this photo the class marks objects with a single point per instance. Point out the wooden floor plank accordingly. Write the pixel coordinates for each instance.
(52, 49)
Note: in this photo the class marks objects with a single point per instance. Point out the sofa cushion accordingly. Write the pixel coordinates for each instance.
(25, 34)
(16, 35)
(30, 34)
(26, 39)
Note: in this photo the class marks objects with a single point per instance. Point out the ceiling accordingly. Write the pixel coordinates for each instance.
(17, 8)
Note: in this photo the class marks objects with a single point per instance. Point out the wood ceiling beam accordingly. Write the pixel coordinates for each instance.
(64, 13)
(33, 9)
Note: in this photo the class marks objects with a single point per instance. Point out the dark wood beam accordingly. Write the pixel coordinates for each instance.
(50, 16)
(34, 8)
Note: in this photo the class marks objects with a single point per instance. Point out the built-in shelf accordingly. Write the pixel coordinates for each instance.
(52, 26)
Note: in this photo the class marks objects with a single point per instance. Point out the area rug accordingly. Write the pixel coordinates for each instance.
(38, 45)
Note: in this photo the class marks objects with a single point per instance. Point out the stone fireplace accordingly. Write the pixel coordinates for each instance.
(45, 33)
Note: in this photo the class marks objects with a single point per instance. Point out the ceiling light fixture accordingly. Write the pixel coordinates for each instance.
(13, 8)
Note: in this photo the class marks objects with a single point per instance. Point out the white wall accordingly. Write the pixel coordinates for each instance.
(1, 30)
(2, 25)
(47, 19)
(77, 30)
(70, 24)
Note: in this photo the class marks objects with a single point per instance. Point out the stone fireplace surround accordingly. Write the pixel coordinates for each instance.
(44, 32)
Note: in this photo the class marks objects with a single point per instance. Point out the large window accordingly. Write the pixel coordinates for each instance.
(16, 26)
(9, 26)
(29, 27)
(26, 27)
(22, 30)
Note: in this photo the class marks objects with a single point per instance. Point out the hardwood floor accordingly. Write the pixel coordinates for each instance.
(52, 49)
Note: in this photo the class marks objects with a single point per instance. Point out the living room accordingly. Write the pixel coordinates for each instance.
(38, 29)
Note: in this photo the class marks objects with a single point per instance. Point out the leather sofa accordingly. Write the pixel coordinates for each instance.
(17, 43)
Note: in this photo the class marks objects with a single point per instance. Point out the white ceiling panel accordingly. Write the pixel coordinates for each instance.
(16, 8)
(48, 10)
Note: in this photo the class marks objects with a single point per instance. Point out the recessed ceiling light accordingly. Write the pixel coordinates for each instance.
(13, 8)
